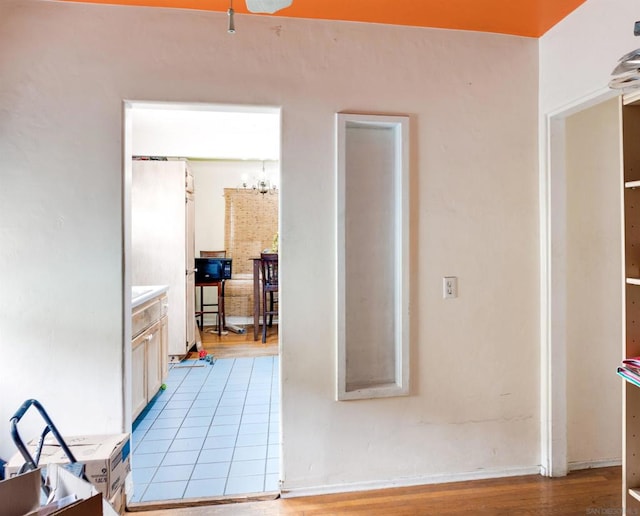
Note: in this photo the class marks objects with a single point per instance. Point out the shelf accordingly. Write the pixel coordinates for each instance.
(632, 184)
(631, 97)
(635, 493)
(633, 281)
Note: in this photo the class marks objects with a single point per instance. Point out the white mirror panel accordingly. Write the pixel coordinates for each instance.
(372, 256)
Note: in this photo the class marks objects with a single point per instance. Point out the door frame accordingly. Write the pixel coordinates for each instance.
(553, 292)
(128, 106)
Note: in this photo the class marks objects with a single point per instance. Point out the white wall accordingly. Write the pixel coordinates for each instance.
(472, 99)
(594, 296)
(578, 55)
(205, 132)
(210, 179)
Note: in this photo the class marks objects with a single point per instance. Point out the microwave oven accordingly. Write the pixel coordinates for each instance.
(210, 270)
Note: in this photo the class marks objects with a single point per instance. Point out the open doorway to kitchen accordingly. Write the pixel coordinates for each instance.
(202, 389)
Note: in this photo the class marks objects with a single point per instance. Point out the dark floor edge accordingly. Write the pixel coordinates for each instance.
(200, 502)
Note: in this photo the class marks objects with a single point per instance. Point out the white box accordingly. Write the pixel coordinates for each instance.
(70, 496)
(117, 501)
(106, 459)
(65, 485)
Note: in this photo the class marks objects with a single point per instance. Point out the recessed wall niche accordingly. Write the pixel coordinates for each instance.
(372, 256)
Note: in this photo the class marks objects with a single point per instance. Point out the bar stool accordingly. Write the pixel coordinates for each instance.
(219, 304)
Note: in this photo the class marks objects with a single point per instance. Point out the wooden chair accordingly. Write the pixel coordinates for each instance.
(269, 274)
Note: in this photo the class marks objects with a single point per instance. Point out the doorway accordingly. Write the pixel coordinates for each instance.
(581, 289)
(202, 436)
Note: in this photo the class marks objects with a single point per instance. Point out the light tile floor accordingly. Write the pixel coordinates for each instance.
(213, 432)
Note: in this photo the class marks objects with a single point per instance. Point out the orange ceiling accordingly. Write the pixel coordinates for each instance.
(518, 17)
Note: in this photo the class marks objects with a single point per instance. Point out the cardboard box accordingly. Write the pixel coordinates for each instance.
(70, 495)
(117, 501)
(20, 495)
(106, 458)
(65, 485)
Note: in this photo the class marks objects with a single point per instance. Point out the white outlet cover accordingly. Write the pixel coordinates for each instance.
(449, 287)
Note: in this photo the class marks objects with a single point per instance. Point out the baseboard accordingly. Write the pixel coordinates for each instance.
(589, 464)
(239, 320)
(408, 482)
(236, 320)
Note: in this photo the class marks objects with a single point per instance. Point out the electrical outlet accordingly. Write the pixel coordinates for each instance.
(449, 287)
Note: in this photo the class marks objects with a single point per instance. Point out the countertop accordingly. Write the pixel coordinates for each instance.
(143, 293)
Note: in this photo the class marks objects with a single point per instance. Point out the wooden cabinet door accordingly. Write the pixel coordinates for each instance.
(154, 365)
(164, 348)
(190, 288)
(191, 310)
(138, 375)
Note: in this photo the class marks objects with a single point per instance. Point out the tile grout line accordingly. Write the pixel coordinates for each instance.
(210, 423)
(266, 456)
(235, 444)
(212, 418)
(151, 482)
(266, 459)
(255, 371)
(275, 379)
(145, 434)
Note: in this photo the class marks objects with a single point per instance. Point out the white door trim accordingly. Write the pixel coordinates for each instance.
(553, 294)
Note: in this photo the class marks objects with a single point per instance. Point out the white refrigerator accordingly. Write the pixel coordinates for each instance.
(162, 242)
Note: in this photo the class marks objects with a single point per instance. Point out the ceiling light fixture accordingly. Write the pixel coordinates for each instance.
(230, 13)
(256, 6)
(267, 6)
(627, 73)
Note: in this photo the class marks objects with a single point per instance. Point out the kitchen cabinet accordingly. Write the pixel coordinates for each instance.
(149, 357)
(138, 367)
(162, 242)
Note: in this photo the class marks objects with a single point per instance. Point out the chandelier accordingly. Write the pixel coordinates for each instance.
(261, 185)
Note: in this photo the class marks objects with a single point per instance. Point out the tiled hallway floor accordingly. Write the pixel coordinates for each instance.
(213, 432)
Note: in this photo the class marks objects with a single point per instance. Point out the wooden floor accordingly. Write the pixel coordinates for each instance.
(234, 345)
(591, 491)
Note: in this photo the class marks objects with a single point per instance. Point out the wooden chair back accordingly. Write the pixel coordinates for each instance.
(269, 270)
(213, 254)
